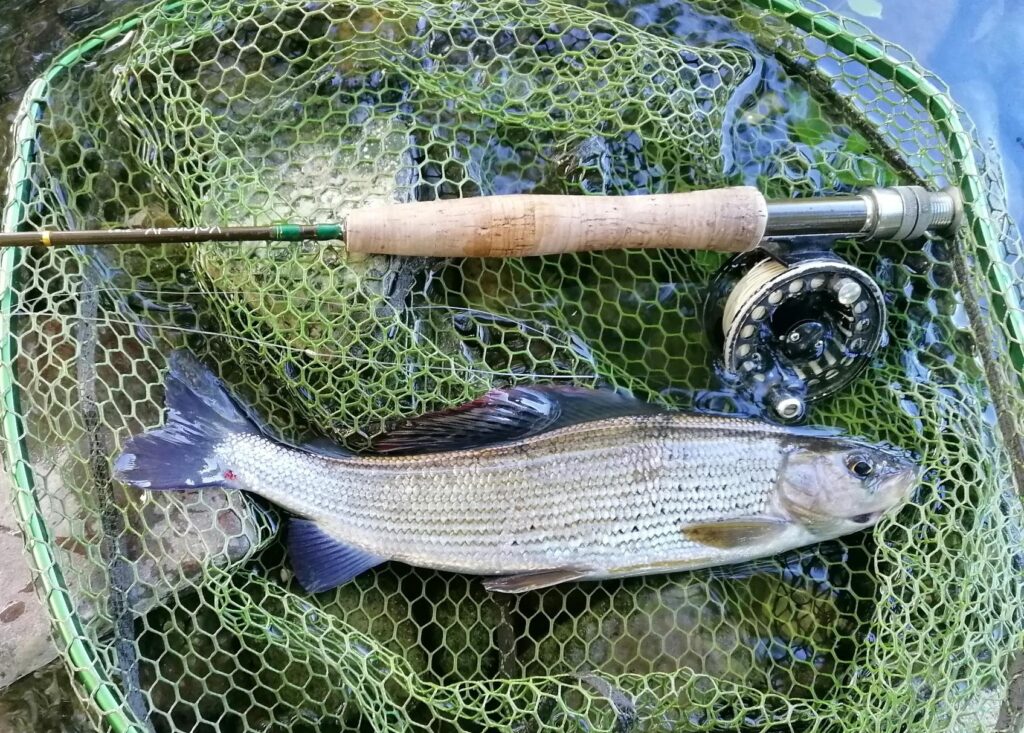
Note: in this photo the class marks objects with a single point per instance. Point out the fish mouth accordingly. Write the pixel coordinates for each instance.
(899, 487)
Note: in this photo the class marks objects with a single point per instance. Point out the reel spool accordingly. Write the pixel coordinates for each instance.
(794, 328)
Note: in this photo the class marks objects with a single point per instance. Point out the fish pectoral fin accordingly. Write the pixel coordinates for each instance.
(733, 533)
(534, 581)
(321, 562)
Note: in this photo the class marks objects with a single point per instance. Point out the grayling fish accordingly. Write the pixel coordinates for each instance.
(536, 485)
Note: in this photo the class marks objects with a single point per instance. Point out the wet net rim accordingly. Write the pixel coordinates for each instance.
(94, 679)
(64, 621)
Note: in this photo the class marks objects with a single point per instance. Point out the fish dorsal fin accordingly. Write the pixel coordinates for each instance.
(507, 415)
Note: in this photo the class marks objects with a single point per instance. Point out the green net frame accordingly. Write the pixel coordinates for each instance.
(943, 633)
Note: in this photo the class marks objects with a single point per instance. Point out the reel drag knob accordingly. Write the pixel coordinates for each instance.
(815, 323)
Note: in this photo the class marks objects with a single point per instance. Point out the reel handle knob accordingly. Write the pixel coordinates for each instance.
(787, 406)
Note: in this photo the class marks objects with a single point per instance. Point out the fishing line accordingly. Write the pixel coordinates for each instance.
(483, 315)
(454, 368)
(117, 296)
(760, 276)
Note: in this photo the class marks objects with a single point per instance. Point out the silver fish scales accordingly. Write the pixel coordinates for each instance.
(534, 485)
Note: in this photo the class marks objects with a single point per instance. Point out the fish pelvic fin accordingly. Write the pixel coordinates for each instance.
(321, 562)
(535, 581)
(181, 453)
(733, 533)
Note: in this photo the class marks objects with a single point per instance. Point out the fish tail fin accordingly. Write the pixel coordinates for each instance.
(182, 453)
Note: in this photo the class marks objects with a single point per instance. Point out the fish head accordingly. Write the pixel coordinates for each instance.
(836, 486)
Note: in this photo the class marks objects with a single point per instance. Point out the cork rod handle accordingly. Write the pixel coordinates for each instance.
(724, 220)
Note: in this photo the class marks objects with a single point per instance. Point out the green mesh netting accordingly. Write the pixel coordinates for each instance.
(177, 611)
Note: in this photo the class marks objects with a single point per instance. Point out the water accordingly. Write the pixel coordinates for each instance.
(31, 34)
(42, 701)
(975, 48)
(35, 33)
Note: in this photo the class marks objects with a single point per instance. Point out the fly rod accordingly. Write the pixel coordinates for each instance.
(519, 225)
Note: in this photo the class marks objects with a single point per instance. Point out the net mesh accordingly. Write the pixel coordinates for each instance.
(243, 113)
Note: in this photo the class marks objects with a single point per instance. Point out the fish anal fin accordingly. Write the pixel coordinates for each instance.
(506, 415)
(733, 533)
(534, 581)
(321, 562)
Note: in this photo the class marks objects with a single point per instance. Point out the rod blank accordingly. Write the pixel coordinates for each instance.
(724, 220)
(173, 235)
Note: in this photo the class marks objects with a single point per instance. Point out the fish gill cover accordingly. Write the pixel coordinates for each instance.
(243, 113)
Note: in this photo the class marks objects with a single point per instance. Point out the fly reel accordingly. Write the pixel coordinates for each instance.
(794, 327)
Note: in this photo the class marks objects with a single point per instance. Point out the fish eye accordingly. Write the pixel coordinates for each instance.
(860, 466)
(861, 518)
